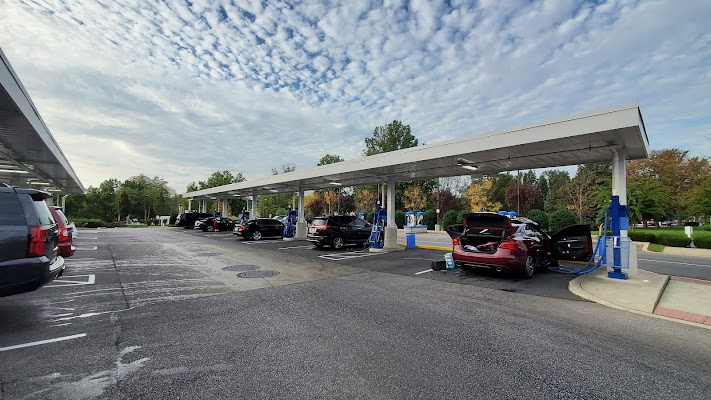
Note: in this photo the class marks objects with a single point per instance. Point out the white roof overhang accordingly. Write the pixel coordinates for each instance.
(580, 139)
(29, 155)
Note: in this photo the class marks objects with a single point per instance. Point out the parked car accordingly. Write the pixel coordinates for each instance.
(66, 232)
(29, 239)
(187, 219)
(212, 224)
(338, 231)
(518, 245)
(260, 228)
(279, 218)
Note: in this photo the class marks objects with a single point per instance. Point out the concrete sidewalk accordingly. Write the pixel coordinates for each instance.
(672, 298)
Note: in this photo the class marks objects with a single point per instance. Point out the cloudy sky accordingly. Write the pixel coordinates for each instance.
(179, 90)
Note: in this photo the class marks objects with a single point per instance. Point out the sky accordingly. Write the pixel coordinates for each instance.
(180, 89)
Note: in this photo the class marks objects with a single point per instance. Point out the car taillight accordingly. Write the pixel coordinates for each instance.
(509, 245)
(63, 235)
(455, 242)
(323, 227)
(37, 239)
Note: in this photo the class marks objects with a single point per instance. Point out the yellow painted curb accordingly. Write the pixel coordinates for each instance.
(427, 247)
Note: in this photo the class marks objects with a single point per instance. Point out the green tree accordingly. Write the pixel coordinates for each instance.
(390, 137)
(499, 183)
(557, 198)
(124, 205)
(329, 159)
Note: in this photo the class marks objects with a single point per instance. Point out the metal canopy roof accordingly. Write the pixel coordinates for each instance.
(580, 139)
(29, 155)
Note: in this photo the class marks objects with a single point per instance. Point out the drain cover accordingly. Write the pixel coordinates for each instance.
(239, 268)
(207, 254)
(258, 274)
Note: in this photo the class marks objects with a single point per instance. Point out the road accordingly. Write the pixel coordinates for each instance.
(168, 315)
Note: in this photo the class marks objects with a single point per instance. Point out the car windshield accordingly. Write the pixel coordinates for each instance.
(319, 221)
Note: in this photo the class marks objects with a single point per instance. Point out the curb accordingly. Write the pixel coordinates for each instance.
(578, 290)
(427, 247)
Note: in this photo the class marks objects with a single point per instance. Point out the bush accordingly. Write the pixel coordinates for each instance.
(369, 216)
(539, 216)
(94, 224)
(643, 237)
(115, 224)
(173, 218)
(82, 222)
(450, 218)
(702, 242)
(460, 216)
(429, 218)
(562, 218)
(400, 219)
(674, 240)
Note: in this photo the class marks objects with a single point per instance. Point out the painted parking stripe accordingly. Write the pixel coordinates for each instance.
(296, 247)
(86, 248)
(423, 272)
(254, 242)
(39, 342)
(347, 256)
(90, 280)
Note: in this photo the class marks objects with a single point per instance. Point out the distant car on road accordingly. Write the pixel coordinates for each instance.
(66, 232)
(260, 228)
(187, 219)
(337, 231)
(212, 224)
(29, 241)
(518, 245)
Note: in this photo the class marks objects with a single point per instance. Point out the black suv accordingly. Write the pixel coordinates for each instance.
(29, 241)
(337, 231)
(187, 219)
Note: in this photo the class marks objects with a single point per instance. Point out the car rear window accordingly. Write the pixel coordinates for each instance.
(320, 221)
(43, 213)
(62, 216)
(11, 212)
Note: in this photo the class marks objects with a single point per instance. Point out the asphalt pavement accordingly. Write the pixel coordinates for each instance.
(167, 313)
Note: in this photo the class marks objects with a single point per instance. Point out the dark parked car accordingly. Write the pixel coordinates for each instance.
(187, 219)
(337, 231)
(66, 232)
(213, 224)
(29, 239)
(260, 228)
(500, 243)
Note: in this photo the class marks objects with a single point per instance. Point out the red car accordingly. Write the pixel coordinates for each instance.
(513, 244)
(66, 231)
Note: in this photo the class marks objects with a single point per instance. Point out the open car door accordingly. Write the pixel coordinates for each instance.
(573, 243)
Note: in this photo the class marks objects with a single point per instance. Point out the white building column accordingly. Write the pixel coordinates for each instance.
(391, 227)
(619, 179)
(224, 207)
(253, 214)
(190, 204)
(301, 223)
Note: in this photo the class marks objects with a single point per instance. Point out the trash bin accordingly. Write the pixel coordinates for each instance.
(410, 243)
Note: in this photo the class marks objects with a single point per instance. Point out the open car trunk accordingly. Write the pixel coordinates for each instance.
(481, 232)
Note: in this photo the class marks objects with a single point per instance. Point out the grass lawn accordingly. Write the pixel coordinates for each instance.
(655, 247)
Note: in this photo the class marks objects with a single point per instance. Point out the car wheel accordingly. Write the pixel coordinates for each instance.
(529, 268)
(210, 229)
(256, 235)
(337, 242)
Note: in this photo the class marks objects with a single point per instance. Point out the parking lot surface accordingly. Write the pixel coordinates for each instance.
(167, 313)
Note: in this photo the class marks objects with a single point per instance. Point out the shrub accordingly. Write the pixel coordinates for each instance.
(562, 218)
(450, 218)
(460, 216)
(400, 219)
(369, 216)
(173, 218)
(643, 236)
(115, 224)
(702, 242)
(674, 240)
(429, 218)
(539, 216)
(94, 224)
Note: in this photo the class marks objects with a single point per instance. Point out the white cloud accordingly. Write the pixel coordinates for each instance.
(179, 90)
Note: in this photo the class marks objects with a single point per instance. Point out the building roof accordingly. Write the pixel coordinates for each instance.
(29, 155)
(579, 139)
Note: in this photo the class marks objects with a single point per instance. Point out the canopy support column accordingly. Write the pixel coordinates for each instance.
(301, 223)
(253, 214)
(391, 227)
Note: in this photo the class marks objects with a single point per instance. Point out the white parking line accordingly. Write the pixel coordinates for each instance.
(91, 279)
(675, 262)
(254, 242)
(347, 256)
(86, 238)
(39, 342)
(87, 248)
(423, 272)
(296, 247)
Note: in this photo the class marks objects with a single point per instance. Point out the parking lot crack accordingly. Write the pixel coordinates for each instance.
(118, 276)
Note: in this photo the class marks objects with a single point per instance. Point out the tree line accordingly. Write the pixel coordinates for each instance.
(669, 185)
